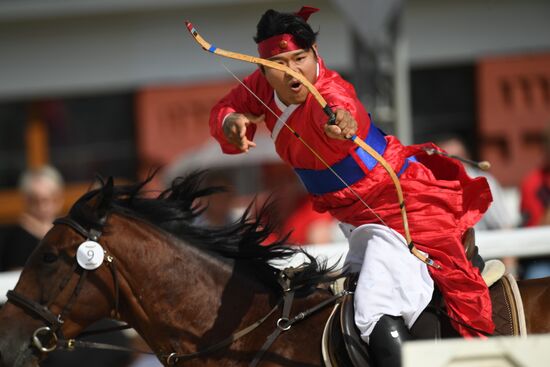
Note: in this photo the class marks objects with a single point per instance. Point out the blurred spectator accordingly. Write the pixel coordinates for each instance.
(535, 208)
(295, 209)
(497, 216)
(42, 191)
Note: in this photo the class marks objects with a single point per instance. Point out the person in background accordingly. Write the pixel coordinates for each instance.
(498, 215)
(42, 191)
(535, 208)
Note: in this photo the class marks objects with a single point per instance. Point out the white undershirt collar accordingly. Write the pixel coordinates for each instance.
(286, 112)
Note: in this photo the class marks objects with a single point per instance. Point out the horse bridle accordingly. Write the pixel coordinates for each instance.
(52, 331)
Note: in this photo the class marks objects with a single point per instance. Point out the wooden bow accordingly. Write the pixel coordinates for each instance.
(332, 118)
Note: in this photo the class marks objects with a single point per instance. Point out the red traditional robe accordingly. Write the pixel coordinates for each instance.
(442, 200)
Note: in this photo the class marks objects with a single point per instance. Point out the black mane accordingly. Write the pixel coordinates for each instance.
(174, 211)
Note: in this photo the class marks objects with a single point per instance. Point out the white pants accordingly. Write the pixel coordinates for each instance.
(391, 281)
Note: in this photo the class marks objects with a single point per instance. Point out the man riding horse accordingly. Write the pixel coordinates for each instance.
(353, 185)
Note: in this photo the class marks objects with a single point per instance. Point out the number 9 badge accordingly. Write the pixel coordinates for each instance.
(90, 255)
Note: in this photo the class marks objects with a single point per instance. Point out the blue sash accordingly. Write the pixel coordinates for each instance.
(320, 182)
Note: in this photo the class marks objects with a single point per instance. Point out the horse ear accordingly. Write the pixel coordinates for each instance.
(100, 201)
(106, 196)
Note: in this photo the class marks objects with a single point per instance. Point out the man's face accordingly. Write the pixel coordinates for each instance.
(289, 89)
(44, 199)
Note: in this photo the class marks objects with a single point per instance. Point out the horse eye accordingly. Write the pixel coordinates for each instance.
(49, 257)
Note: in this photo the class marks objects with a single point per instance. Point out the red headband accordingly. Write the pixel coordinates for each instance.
(283, 42)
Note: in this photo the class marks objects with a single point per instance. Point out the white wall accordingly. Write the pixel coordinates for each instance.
(42, 54)
(59, 47)
(450, 31)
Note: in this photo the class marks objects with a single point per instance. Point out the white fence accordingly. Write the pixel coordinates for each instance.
(522, 242)
(493, 352)
(8, 279)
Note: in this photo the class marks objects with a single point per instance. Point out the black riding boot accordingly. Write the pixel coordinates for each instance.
(386, 339)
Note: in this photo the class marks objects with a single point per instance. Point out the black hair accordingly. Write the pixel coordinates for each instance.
(174, 211)
(273, 23)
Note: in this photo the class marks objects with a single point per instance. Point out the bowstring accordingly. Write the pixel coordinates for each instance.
(317, 155)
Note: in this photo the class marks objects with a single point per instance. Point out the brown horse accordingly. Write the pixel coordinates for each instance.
(182, 287)
(199, 297)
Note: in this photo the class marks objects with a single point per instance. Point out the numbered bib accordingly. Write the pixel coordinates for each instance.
(90, 255)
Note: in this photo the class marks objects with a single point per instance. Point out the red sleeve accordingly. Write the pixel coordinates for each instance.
(340, 94)
(239, 100)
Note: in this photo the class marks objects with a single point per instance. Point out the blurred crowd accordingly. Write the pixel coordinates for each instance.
(42, 192)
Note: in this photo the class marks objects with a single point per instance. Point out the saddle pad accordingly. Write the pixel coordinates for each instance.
(508, 314)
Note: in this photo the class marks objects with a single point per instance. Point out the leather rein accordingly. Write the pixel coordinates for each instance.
(47, 338)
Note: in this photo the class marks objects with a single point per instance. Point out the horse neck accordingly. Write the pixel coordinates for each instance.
(175, 295)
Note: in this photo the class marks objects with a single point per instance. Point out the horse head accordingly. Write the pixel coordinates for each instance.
(55, 297)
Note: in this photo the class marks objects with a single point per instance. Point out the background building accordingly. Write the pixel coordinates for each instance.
(119, 87)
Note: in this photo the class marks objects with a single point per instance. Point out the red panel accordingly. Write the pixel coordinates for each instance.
(514, 108)
(174, 119)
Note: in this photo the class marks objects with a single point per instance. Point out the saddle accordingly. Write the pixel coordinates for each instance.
(342, 344)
